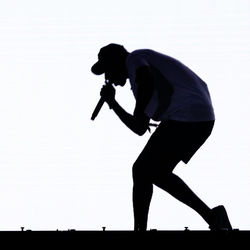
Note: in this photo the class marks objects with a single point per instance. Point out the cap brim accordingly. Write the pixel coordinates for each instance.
(97, 68)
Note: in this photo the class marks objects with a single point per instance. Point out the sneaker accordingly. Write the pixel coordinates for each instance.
(220, 221)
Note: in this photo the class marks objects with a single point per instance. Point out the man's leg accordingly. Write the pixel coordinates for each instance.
(154, 167)
(142, 194)
(142, 181)
(175, 186)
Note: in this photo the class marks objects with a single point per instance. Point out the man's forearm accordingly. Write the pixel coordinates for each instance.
(128, 119)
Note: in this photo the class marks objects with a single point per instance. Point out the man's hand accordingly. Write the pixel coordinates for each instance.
(108, 94)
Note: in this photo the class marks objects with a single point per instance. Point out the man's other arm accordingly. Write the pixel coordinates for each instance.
(139, 121)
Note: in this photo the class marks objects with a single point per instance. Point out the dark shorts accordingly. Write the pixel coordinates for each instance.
(174, 141)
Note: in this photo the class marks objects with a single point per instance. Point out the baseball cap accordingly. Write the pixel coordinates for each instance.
(107, 55)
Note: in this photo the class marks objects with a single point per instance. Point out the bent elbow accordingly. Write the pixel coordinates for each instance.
(141, 132)
(141, 126)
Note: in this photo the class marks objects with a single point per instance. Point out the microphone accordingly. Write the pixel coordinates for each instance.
(99, 105)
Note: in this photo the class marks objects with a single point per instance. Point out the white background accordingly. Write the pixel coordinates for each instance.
(59, 169)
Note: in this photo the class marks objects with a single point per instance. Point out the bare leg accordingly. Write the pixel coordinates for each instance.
(155, 165)
(142, 194)
(175, 186)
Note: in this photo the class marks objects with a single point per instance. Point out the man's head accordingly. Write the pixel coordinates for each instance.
(112, 62)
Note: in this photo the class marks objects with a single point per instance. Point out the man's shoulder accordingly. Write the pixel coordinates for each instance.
(149, 55)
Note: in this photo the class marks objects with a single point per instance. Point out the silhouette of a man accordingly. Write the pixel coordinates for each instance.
(167, 91)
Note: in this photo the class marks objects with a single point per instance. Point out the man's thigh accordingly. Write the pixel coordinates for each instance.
(159, 156)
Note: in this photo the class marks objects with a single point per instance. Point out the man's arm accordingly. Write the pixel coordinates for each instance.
(139, 121)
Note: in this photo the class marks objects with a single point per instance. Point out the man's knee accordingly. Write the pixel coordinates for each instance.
(139, 171)
(136, 170)
(144, 170)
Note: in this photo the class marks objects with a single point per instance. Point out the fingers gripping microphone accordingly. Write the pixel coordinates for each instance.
(99, 105)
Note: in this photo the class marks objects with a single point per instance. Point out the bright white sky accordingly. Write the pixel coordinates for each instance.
(59, 169)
